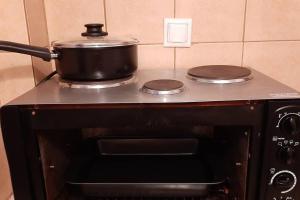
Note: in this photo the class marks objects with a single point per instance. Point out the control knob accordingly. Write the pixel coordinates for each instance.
(284, 180)
(290, 124)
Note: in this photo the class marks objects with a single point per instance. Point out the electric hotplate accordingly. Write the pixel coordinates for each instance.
(163, 86)
(219, 74)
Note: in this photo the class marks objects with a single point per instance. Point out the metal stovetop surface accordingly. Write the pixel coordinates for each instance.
(261, 87)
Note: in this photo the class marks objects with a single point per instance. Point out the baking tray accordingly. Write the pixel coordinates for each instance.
(144, 176)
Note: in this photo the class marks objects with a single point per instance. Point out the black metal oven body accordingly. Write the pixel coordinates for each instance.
(272, 167)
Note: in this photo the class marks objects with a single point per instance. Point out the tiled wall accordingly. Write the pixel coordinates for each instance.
(264, 35)
(260, 34)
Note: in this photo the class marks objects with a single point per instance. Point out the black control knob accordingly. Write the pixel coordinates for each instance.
(286, 155)
(284, 180)
(290, 124)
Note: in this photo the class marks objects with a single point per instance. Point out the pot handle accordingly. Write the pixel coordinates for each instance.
(35, 51)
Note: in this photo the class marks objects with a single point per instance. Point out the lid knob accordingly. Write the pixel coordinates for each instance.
(94, 30)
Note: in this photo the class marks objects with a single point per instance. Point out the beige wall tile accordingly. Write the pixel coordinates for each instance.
(12, 21)
(66, 19)
(272, 20)
(213, 20)
(15, 76)
(209, 54)
(279, 60)
(155, 56)
(142, 19)
(36, 20)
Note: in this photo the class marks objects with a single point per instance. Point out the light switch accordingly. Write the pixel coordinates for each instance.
(177, 32)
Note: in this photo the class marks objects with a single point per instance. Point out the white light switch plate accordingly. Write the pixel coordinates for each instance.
(177, 32)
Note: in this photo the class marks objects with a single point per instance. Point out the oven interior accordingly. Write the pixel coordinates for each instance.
(197, 162)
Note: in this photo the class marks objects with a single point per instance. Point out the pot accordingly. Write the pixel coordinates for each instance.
(94, 57)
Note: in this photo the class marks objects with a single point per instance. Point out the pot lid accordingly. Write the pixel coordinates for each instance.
(95, 37)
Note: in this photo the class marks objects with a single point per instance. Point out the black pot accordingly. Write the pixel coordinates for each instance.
(96, 57)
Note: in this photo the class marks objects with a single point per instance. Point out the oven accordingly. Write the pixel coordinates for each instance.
(210, 151)
(151, 154)
(173, 138)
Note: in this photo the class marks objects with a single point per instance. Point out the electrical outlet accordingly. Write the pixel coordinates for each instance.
(177, 32)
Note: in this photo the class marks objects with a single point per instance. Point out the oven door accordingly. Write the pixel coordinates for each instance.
(204, 162)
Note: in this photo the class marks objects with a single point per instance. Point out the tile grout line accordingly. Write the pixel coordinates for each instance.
(174, 64)
(212, 42)
(244, 31)
(253, 41)
(28, 37)
(46, 21)
(224, 42)
(220, 42)
(145, 44)
(105, 15)
(174, 51)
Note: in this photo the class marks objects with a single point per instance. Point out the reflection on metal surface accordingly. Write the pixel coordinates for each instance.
(158, 92)
(219, 81)
(97, 84)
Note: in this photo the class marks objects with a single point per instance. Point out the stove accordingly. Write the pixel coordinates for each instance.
(129, 90)
(207, 133)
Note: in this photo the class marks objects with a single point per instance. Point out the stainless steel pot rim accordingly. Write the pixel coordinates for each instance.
(95, 42)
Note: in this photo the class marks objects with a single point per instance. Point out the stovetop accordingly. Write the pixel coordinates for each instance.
(261, 87)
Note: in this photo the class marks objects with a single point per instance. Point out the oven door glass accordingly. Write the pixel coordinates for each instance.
(204, 162)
